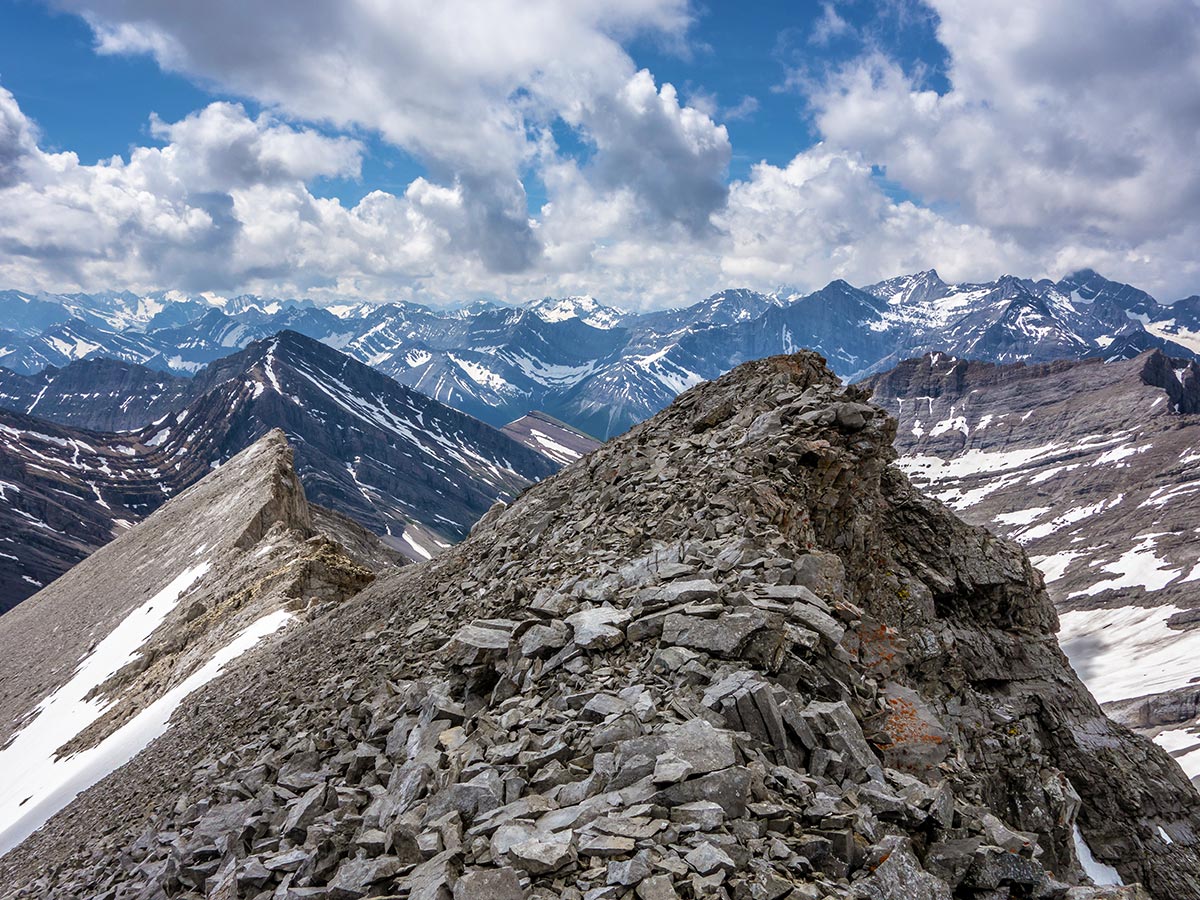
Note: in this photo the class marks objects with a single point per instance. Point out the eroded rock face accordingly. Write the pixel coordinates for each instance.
(730, 654)
(1092, 467)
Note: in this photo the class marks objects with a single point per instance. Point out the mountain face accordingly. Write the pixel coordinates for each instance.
(732, 653)
(1095, 469)
(63, 494)
(96, 663)
(1178, 322)
(71, 340)
(410, 469)
(550, 437)
(413, 471)
(600, 369)
(97, 394)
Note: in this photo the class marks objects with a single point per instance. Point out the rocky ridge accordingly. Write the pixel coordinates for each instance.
(730, 654)
(89, 663)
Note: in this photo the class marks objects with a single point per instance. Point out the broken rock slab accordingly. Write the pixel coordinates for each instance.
(599, 628)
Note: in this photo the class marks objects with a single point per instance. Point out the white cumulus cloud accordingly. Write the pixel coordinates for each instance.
(1062, 133)
(1070, 127)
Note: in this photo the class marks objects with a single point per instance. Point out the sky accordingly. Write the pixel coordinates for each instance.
(645, 152)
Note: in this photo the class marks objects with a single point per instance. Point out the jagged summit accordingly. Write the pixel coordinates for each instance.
(730, 653)
(585, 308)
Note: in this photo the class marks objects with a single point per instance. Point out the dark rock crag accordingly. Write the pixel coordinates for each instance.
(1090, 466)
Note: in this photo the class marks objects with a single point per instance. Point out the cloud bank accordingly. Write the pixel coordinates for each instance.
(1066, 137)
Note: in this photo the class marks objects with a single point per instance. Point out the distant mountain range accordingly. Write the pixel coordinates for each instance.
(600, 369)
(414, 471)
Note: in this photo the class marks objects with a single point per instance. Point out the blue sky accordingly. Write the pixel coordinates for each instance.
(99, 105)
(646, 152)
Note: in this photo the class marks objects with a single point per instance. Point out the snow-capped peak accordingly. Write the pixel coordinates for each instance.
(585, 308)
(906, 290)
(358, 310)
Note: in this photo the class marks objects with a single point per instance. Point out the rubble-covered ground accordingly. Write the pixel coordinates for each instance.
(731, 654)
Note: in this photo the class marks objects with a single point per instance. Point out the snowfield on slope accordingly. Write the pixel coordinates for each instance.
(35, 781)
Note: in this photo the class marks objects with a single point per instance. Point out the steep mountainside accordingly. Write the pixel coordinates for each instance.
(410, 469)
(732, 653)
(601, 369)
(99, 394)
(63, 494)
(550, 437)
(1095, 469)
(415, 472)
(98, 661)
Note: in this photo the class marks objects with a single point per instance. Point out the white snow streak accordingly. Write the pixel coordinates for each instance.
(48, 784)
(27, 765)
(1129, 651)
(1100, 873)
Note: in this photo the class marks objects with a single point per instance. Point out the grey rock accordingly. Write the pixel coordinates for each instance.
(355, 877)
(728, 788)
(900, 876)
(474, 643)
(630, 871)
(818, 620)
(541, 854)
(722, 636)
(489, 884)
(950, 860)
(434, 878)
(994, 867)
(700, 815)
(842, 732)
(541, 640)
(688, 591)
(707, 859)
(657, 887)
(599, 628)
(606, 845)
(303, 811)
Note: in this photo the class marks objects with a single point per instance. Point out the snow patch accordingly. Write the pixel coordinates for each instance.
(29, 769)
(1100, 873)
(1137, 567)
(553, 448)
(1184, 747)
(417, 548)
(1129, 651)
(1021, 516)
